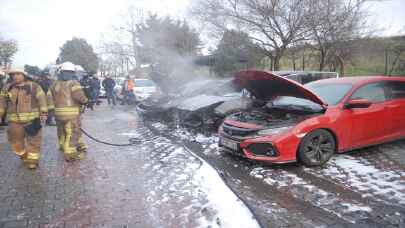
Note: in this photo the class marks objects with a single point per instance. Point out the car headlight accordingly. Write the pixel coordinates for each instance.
(274, 131)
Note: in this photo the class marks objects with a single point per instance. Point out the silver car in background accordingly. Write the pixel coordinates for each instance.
(144, 88)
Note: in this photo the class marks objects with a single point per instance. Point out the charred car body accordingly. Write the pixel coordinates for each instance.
(205, 103)
(310, 123)
(192, 105)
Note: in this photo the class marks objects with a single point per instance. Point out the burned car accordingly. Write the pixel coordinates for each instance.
(205, 103)
(193, 105)
(310, 123)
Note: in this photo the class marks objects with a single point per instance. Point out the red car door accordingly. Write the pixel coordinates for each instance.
(369, 125)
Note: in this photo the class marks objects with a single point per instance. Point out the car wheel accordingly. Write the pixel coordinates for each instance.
(317, 148)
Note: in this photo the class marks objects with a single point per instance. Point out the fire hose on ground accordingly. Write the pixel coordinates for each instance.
(131, 141)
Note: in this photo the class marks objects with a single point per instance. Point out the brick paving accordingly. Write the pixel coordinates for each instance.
(105, 190)
(150, 185)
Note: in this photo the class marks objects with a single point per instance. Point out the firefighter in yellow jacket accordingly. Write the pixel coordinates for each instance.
(25, 104)
(68, 97)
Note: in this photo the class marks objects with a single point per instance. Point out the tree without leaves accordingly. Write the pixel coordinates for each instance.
(126, 37)
(79, 52)
(395, 52)
(272, 24)
(333, 23)
(8, 48)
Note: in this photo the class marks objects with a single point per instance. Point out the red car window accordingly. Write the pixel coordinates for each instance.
(396, 90)
(374, 92)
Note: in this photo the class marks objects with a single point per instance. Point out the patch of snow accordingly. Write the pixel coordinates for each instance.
(358, 174)
(200, 138)
(159, 126)
(232, 212)
(299, 188)
(131, 134)
(353, 208)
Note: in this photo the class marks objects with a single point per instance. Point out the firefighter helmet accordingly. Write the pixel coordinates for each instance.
(17, 71)
(67, 66)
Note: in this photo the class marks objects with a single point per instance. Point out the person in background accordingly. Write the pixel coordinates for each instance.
(95, 86)
(2, 84)
(24, 101)
(128, 91)
(109, 85)
(45, 82)
(85, 82)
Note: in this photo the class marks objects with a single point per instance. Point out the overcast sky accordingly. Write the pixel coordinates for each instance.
(42, 26)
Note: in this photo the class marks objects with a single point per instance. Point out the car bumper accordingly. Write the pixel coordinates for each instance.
(282, 150)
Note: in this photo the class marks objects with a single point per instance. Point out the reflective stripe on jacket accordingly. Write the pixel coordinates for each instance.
(23, 117)
(23, 103)
(67, 96)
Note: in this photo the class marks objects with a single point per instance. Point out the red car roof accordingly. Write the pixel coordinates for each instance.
(360, 80)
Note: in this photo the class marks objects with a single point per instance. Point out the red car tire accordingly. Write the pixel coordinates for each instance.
(317, 148)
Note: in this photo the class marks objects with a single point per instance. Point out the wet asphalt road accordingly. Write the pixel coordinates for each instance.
(155, 184)
(365, 188)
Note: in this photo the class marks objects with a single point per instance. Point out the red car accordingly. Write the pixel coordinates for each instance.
(309, 123)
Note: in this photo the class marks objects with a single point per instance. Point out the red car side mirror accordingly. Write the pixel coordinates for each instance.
(358, 103)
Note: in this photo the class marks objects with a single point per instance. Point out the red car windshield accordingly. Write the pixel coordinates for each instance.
(332, 94)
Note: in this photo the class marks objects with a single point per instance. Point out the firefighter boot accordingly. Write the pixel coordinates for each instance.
(81, 148)
(33, 148)
(31, 160)
(71, 133)
(16, 139)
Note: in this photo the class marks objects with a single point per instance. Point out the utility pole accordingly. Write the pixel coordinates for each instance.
(386, 61)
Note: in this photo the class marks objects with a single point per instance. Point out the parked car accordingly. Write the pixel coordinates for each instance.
(206, 102)
(144, 88)
(309, 123)
(244, 103)
(304, 77)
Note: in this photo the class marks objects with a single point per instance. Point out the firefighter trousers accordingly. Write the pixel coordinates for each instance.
(25, 146)
(69, 136)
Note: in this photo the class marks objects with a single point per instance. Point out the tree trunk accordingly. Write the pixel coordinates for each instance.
(279, 53)
(135, 50)
(293, 62)
(276, 65)
(341, 66)
(321, 60)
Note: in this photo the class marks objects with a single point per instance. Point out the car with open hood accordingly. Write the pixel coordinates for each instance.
(204, 103)
(309, 123)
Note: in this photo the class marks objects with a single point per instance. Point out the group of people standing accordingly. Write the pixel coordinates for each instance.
(27, 105)
(91, 86)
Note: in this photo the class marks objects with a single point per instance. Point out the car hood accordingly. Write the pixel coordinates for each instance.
(201, 101)
(265, 85)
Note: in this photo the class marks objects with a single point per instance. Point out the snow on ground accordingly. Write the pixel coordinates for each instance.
(209, 143)
(188, 192)
(362, 176)
(300, 188)
(200, 138)
(228, 205)
(159, 126)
